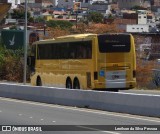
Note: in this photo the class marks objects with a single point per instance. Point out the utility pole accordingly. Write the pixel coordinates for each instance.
(76, 19)
(25, 45)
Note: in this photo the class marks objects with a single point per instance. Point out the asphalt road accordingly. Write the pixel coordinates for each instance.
(18, 112)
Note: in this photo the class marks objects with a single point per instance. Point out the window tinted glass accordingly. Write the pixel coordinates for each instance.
(67, 50)
(114, 43)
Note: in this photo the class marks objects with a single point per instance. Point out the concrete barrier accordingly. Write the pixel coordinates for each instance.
(139, 104)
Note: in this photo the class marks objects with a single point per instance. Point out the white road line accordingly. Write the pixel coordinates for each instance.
(54, 121)
(30, 117)
(20, 114)
(42, 119)
(0, 111)
(94, 129)
(135, 117)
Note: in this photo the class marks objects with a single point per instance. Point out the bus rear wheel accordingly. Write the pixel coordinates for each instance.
(39, 82)
(69, 83)
(76, 84)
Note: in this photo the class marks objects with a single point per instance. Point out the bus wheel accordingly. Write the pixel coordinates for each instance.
(39, 82)
(69, 83)
(76, 84)
(116, 90)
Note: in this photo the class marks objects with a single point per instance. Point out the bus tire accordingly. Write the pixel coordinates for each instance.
(39, 81)
(76, 84)
(68, 83)
(116, 90)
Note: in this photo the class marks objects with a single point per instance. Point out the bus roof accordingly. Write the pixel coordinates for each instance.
(46, 40)
(66, 38)
(73, 37)
(76, 36)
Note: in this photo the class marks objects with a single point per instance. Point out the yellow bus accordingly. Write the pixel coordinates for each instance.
(85, 61)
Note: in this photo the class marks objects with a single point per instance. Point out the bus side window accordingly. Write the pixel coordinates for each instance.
(72, 50)
(89, 54)
(79, 53)
(88, 50)
(72, 55)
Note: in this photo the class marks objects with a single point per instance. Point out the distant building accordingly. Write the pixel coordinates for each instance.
(142, 17)
(37, 3)
(127, 4)
(101, 8)
(3, 1)
(65, 3)
(28, 1)
(156, 2)
(138, 28)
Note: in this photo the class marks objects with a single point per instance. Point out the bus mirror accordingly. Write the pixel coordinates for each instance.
(30, 60)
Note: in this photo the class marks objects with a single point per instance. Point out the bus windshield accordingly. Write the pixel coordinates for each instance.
(114, 43)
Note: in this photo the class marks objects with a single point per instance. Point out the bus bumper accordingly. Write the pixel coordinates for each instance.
(115, 85)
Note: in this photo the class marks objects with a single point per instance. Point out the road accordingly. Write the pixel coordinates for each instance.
(19, 112)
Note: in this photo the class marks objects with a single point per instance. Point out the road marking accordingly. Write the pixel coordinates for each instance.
(0, 111)
(94, 129)
(42, 119)
(30, 117)
(20, 114)
(135, 117)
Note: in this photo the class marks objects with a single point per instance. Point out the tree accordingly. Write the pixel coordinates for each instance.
(19, 14)
(95, 17)
(39, 19)
(31, 19)
(110, 16)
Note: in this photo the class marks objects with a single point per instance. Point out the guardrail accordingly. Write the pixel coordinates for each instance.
(139, 104)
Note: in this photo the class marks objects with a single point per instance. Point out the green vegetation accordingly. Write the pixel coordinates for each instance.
(39, 19)
(11, 66)
(59, 24)
(19, 14)
(95, 17)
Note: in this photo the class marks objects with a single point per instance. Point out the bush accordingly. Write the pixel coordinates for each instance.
(11, 66)
(13, 69)
(144, 73)
(95, 17)
(59, 24)
(2, 60)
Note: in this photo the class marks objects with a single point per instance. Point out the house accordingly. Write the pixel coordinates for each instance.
(128, 4)
(37, 3)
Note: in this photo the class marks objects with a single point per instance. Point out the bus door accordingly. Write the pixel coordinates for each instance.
(114, 60)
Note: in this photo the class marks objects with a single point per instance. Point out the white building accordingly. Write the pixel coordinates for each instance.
(142, 17)
(138, 28)
(54, 2)
(28, 1)
(14, 3)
